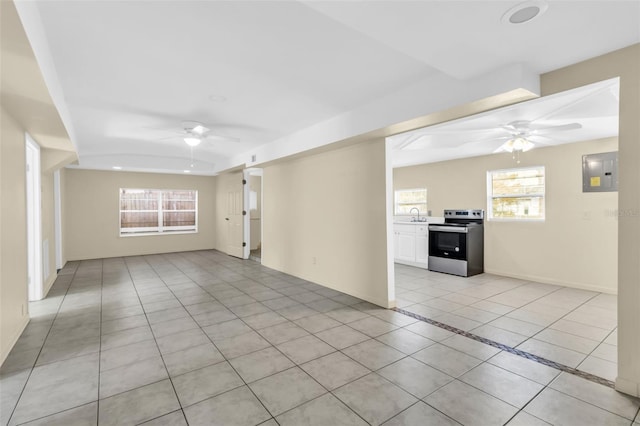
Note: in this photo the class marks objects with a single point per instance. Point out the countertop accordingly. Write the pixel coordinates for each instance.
(430, 219)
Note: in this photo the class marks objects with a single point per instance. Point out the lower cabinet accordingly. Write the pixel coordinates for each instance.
(411, 244)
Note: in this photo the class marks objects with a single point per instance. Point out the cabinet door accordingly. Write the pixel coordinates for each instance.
(422, 248)
(406, 247)
(396, 244)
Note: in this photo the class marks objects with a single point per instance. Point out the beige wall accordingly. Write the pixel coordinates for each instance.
(577, 243)
(330, 207)
(624, 63)
(13, 228)
(90, 209)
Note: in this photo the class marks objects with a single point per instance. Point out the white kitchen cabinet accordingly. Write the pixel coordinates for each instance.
(406, 246)
(411, 244)
(422, 244)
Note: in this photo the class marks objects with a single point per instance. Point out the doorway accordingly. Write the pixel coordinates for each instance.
(231, 190)
(34, 220)
(253, 223)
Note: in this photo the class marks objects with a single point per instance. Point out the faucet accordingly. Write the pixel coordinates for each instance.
(412, 209)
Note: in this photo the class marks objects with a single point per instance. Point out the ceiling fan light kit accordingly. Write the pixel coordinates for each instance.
(517, 144)
(192, 140)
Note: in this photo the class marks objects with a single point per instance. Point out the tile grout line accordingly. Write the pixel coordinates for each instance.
(33, 367)
(100, 341)
(208, 337)
(298, 366)
(295, 365)
(506, 315)
(562, 318)
(514, 351)
(126, 265)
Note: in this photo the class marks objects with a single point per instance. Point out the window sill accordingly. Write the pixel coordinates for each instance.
(147, 234)
(515, 220)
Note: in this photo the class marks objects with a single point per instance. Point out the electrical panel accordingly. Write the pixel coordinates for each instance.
(600, 172)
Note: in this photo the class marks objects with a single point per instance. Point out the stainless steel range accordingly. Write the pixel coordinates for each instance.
(457, 245)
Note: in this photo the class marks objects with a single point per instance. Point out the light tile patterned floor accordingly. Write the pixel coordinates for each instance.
(574, 327)
(201, 338)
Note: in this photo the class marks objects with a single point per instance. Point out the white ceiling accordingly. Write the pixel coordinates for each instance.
(125, 74)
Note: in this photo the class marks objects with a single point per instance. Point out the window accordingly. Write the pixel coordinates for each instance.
(155, 211)
(407, 199)
(516, 194)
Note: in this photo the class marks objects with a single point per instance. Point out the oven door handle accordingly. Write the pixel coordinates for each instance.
(448, 229)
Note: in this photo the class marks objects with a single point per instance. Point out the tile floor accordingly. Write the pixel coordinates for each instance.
(577, 328)
(201, 338)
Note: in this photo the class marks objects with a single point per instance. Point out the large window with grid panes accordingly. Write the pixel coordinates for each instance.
(158, 211)
(516, 194)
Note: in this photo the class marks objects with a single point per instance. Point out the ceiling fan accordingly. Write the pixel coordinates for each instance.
(516, 136)
(194, 132)
(524, 134)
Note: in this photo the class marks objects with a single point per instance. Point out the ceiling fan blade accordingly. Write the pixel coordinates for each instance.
(458, 131)
(552, 129)
(174, 137)
(217, 137)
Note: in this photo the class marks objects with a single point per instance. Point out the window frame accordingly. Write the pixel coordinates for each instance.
(395, 201)
(160, 229)
(491, 197)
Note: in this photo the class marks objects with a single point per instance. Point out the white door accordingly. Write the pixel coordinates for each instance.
(34, 223)
(234, 217)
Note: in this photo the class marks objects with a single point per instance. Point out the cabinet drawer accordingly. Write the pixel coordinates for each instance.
(405, 229)
(422, 229)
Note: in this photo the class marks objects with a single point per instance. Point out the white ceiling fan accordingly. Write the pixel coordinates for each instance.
(516, 136)
(523, 134)
(194, 132)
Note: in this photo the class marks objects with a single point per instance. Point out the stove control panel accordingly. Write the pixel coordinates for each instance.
(464, 214)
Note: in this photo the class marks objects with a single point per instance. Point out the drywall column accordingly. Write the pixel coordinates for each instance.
(13, 227)
(624, 63)
(324, 219)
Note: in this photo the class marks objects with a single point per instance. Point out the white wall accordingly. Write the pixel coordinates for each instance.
(91, 212)
(324, 219)
(575, 246)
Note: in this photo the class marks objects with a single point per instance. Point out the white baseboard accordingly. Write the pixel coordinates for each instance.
(628, 386)
(416, 264)
(547, 280)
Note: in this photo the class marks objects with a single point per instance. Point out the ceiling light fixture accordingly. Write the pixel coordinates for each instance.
(516, 146)
(525, 12)
(192, 140)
